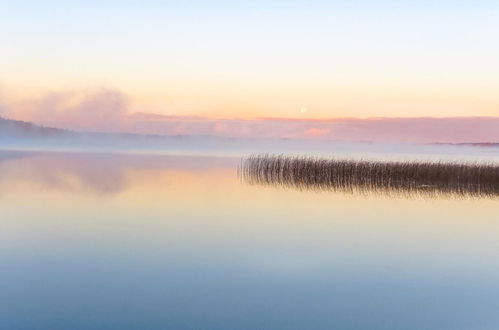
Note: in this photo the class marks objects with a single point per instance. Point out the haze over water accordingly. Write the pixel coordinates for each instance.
(96, 241)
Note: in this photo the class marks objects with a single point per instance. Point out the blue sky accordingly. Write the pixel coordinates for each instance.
(259, 58)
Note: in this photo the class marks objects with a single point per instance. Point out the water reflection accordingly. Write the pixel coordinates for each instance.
(95, 173)
(94, 241)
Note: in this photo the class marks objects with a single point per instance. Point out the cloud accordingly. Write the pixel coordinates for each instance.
(423, 130)
(108, 111)
(313, 131)
(101, 110)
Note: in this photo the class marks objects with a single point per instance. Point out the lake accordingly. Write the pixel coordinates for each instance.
(122, 241)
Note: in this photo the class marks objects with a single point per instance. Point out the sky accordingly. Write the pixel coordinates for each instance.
(227, 60)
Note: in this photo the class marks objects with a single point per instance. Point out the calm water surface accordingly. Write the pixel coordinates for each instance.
(94, 241)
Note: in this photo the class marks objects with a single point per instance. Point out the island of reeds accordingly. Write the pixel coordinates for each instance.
(361, 176)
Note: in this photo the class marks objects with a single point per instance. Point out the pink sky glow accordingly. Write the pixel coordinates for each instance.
(108, 111)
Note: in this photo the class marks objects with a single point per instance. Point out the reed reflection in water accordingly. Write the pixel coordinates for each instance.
(357, 176)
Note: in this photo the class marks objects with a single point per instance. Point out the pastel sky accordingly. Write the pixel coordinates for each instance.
(251, 59)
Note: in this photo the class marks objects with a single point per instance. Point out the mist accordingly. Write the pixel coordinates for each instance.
(111, 111)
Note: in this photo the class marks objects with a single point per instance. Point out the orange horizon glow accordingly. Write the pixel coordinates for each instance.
(230, 64)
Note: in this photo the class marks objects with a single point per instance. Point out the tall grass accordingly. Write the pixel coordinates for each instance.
(427, 178)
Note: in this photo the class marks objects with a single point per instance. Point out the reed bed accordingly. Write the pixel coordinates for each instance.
(403, 177)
